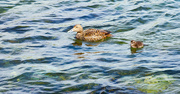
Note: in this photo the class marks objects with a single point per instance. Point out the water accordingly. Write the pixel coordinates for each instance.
(37, 55)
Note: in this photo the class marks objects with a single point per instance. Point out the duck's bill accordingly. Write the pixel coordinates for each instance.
(70, 30)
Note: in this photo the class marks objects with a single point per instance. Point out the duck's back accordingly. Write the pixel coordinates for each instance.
(94, 35)
(139, 44)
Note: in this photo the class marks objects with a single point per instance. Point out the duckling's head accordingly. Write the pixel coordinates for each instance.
(77, 28)
(133, 42)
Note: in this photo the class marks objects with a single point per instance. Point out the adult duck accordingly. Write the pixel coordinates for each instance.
(90, 35)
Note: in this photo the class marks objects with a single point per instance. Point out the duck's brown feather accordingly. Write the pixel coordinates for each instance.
(137, 44)
(93, 35)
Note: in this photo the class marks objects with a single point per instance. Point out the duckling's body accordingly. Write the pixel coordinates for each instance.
(90, 34)
(136, 44)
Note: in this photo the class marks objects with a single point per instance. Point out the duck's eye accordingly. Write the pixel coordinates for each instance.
(133, 42)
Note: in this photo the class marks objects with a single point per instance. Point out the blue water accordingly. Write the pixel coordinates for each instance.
(37, 55)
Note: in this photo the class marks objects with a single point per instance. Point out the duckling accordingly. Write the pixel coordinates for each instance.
(136, 44)
(90, 35)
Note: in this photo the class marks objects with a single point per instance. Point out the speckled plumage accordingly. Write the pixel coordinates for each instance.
(90, 34)
(136, 44)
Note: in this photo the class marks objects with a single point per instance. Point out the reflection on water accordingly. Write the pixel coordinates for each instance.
(87, 55)
(136, 50)
(79, 43)
(37, 55)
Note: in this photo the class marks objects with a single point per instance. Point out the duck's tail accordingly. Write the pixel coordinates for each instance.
(146, 45)
(108, 33)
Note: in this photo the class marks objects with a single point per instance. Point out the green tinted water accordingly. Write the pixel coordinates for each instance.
(37, 55)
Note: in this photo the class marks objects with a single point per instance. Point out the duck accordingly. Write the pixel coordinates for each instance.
(136, 44)
(90, 35)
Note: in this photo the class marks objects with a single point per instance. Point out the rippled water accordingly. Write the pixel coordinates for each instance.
(37, 55)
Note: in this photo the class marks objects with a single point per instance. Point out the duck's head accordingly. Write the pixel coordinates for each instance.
(77, 28)
(133, 42)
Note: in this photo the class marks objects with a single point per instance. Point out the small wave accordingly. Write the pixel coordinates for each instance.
(17, 29)
(31, 39)
(9, 63)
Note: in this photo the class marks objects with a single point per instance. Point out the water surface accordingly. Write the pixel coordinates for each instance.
(37, 55)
